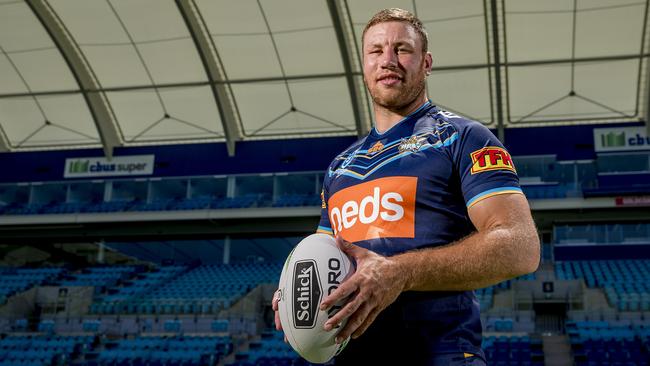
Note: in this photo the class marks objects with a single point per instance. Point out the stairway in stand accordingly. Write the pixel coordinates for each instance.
(557, 350)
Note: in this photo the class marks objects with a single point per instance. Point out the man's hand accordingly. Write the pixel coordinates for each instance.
(278, 325)
(376, 283)
(276, 298)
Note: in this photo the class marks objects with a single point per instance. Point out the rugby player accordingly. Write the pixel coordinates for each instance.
(429, 206)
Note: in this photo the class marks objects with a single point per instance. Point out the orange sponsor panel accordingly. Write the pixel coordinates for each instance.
(491, 158)
(380, 208)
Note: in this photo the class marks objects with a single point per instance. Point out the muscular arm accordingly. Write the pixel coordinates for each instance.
(504, 246)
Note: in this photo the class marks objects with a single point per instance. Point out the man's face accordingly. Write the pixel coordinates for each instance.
(394, 65)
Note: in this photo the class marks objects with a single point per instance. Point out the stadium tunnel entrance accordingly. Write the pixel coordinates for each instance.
(550, 316)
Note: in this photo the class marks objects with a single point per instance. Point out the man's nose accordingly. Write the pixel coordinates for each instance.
(389, 59)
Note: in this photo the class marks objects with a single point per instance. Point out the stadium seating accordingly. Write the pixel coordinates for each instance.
(177, 350)
(42, 350)
(632, 233)
(64, 208)
(296, 200)
(625, 282)
(514, 350)
(596, 343)
(92, 351)
(112, 206)
(99, 277)
(245, 201)
(217, 285)
(23, 209)
(196, 203)
(14, 280)
(546, 191)
(541, 178)
(269, 350)
(128, 298)
(184, 290)
(155, 205)
(485, 295)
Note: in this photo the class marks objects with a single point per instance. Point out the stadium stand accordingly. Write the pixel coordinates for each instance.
(269, 350)
(181, 290)
(513, 350)
(154, 350)
(98, 277)
(596, 343)
(129, 298)
(157, 304)
(15, 280)
(94, 351)
(625, 282)
(42, 350)
(542, 177)
(622, 233)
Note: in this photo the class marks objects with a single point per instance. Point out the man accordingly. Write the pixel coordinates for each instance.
(429, 207)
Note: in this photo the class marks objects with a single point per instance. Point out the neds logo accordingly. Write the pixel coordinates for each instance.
(380, 208)
(306, 293)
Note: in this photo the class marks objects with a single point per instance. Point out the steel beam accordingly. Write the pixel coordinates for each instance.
(4, 141)
(96, 100)
(215, 71)
(345, 37)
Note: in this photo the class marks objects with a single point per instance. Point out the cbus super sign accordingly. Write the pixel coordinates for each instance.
(117, 166)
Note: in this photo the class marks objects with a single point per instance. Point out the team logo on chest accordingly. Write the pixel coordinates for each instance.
(377, 147)
(412, 143)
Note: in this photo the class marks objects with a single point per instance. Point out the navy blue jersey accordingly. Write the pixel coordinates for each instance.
(410, 187)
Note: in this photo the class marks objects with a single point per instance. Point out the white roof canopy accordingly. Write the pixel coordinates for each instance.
(80, 73)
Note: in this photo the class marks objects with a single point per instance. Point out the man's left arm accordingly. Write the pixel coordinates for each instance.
(505, 245)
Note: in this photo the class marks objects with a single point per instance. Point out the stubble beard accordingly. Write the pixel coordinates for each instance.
(402, 99)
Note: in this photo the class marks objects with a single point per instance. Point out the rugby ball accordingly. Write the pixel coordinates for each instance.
(315, 268)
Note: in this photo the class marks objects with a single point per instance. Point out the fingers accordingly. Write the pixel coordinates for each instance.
(276, 298)
(278, 324)
(343, 291)
(350, 308)
(354, 322)
(369, 320)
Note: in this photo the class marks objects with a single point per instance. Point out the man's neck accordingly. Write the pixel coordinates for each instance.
(385, 118)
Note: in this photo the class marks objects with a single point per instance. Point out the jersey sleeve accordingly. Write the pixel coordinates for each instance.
(324, 226)
(485, 167)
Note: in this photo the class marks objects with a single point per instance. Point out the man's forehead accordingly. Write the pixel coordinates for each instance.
(392, 31)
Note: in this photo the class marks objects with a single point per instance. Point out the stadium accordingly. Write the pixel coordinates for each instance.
(159, 160)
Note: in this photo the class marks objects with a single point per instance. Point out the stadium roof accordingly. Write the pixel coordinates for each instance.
(109, 73)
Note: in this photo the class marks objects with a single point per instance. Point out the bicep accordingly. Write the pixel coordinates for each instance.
(504, 210)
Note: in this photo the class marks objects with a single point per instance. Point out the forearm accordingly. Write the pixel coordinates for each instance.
(479, 260)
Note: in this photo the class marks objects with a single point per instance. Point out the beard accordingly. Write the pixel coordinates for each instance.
(398, 98)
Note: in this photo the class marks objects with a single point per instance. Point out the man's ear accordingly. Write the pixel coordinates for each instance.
(428, 63)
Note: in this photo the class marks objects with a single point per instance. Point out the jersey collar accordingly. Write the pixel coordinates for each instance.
(413, 115)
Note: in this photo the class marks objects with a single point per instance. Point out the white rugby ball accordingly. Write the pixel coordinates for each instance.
(315, 268)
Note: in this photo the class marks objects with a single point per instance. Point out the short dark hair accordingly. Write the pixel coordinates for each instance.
(399, 15)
